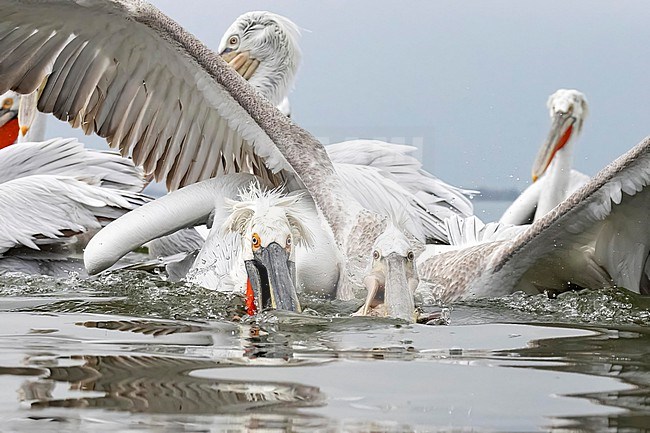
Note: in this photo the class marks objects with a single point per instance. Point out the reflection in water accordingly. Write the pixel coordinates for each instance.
(152, 384)
(156, 376)
(623, 354)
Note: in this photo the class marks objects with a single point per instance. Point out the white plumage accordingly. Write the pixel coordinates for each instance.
(598, 237)
(53, 191)
(553, 178)
(210, 100)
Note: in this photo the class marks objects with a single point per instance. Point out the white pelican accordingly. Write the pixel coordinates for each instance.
(264, 243)
(553, 178)
(132, 48)
(597, 237)
(263, 47)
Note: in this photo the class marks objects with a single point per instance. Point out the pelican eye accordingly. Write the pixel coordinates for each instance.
(234, 40)
(375, 255)
(7, 103)
(410, 256)
(288, 245)
(256, 241)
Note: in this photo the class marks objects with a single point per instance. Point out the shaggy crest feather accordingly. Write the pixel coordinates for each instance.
(256, 201)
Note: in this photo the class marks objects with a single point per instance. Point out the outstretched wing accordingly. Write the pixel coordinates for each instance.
(36, 209)
(124, 70)
(607, 219)
(128, 72)
(68, 157)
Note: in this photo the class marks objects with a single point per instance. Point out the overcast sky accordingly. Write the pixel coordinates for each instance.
(466, 80)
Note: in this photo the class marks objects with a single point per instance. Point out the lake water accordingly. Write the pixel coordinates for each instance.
(130, 351)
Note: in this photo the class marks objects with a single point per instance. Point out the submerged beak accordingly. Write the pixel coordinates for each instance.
(390, 292)
(272, 278)
(8, 127)
(558, 136)
(242, 62)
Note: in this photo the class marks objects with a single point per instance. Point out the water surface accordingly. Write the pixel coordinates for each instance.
(130, 351)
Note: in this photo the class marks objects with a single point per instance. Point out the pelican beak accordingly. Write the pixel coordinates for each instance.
(558, 136)
(390, 290)
(8, 127)
(272, 278)
(242, 62)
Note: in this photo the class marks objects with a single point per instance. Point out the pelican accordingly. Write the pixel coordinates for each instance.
(597, 237)
(553, 178)
(268, 244)
(263, 47)
(129, 75)
(133, 49)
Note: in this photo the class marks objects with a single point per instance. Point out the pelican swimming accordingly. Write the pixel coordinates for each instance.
(553, 178)
(127, 76)
(375, 170)
(134, 47)
(597, 237)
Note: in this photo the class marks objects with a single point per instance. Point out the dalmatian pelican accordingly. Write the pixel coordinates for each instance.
(553, 178)
(107, 78)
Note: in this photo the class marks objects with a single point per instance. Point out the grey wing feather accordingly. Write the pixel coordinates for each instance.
(182, 241)
(109, 66)
(397, 163)
(609, 212)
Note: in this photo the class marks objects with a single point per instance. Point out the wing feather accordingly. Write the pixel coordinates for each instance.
(588, 216)
(53, 206)
(102, 60)
(55, 82)
(272, 140)
(68, 157)
(396, 163)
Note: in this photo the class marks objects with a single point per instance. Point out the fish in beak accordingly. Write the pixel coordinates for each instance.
(242, 62)
(562, 128)
(271, 280)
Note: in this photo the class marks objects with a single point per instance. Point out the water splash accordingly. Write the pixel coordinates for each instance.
(611, 306)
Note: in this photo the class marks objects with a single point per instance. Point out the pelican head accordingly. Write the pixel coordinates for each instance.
(271, 225)
(568, 109)
(393, 278)
(9, 128)
(263, 48)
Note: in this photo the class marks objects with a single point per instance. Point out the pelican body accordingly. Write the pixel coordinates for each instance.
(553, 177)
